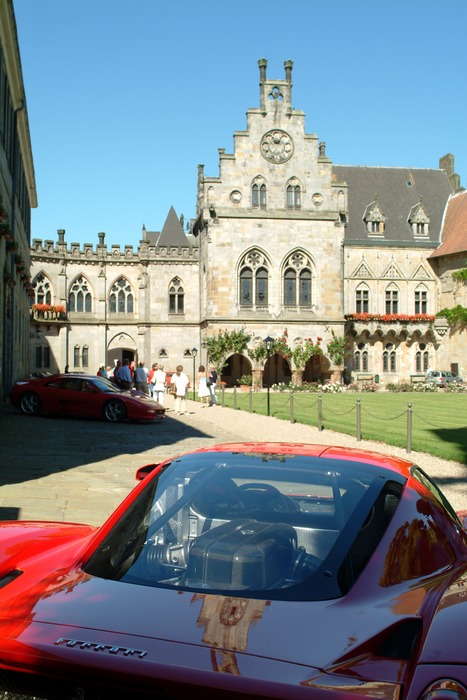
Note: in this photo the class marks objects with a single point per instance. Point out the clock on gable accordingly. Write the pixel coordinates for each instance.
(277, 146)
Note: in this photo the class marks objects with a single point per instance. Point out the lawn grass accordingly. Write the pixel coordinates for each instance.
(439, 420)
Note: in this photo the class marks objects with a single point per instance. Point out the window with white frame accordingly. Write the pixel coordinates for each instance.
(421, 300)
(362, 299)
(392, 299)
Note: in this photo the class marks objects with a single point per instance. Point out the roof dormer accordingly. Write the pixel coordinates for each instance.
(419, 221)
(374, 218)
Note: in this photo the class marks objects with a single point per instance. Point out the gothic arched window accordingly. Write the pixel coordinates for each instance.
(42, 289)
(258, 193)
(294, 194)
(389, 358)
(79, 297)
(254, 280)
(422, 358)
(176, 297)
(121, 299)
(297, 280)
(361, 358)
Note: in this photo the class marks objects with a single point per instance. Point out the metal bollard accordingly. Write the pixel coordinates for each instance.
(320, 411)
(359, 421)
(409, 428)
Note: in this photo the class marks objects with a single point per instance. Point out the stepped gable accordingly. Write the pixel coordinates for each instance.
(172, 234)
(454, 233)
(397, 191)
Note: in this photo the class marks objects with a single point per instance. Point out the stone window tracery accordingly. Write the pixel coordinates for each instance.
(121, 299)
(254, 280)
(297, 280)
(42, 289)
(80, 297)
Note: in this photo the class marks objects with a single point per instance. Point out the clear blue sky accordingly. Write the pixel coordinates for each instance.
(126, 97)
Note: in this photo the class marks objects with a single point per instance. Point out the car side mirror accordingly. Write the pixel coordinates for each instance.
(143, 472)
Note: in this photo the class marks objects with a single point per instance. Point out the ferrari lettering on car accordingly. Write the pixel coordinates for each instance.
(95, 646)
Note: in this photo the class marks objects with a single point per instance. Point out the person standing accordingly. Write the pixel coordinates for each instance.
(159, 384)
(203, 389)
(141, 378)
(123, 375)
(151, 378)
(179, 385)
(212, 385)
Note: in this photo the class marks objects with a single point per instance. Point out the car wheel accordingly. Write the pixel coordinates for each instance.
(114, 411)
(30, 404)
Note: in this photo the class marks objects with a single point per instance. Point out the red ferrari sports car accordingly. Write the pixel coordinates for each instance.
(245, 570)
(83, 395)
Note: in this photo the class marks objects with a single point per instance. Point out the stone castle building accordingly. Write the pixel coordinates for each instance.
(17, 196)
(282, 238)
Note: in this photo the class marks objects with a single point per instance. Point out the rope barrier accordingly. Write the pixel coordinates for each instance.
(385, 418)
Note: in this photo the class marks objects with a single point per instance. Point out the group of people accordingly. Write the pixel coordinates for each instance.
(180, 383)
(154, 382)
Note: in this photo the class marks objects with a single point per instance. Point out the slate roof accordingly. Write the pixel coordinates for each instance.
(396, 198)
(454, 234)
(172, 234)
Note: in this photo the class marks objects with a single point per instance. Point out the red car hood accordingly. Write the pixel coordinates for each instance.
(80, 620)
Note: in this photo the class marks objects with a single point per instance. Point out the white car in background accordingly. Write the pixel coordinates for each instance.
(443, 377)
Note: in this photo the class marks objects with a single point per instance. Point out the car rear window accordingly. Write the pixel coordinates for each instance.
(276, 526)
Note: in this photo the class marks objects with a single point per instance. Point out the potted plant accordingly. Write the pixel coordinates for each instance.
(245, 382)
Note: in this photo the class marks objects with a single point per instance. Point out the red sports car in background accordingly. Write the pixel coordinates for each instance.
(244, 571)
(83, 395)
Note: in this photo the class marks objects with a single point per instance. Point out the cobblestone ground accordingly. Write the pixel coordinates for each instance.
(79, 471)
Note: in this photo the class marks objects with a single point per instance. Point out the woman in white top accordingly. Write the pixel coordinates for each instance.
(159, 384)
(203, 389)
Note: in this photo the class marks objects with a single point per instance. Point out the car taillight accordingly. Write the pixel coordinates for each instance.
(444, 689)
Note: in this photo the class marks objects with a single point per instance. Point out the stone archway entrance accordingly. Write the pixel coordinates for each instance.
(276, 371)
(121, 347)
